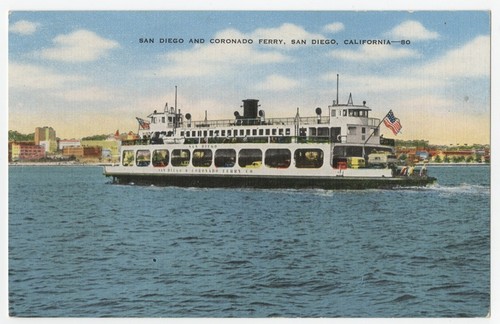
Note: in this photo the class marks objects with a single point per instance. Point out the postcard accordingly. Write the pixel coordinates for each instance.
(249, 163)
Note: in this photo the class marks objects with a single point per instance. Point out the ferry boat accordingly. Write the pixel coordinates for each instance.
(339, 149)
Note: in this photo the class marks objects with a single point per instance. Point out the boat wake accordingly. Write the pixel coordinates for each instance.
(463, 188)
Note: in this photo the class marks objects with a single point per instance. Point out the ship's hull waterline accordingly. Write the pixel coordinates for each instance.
(271, 182)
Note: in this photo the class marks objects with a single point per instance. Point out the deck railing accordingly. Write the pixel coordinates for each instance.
(258, 121)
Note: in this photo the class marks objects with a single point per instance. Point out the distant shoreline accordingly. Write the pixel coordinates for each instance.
(60, 164)
(72, 163)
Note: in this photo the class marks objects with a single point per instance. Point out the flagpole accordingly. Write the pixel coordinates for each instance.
(381, 121)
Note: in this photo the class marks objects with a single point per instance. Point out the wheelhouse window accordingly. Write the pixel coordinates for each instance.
(225, 158)
(143, 158)
(180, 158)
(160, 158)
(128, 158)
(202, 158)
(250, 158)
(323, 131)
(309, 158)
(278, 158)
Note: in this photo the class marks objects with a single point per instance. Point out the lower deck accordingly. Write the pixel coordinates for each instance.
(255, 181)
(250, 165)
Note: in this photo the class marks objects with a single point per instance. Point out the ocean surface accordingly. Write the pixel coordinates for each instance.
(80, 246)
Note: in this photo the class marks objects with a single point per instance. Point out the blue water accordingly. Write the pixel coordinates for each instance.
(80, 246)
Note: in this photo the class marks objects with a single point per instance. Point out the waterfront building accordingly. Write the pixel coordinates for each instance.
(27, 152)
(68, 143)
(76, 151)
(49, 146)
(111, 146)
(90, 152)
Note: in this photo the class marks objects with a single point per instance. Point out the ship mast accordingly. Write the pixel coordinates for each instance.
(337, 102)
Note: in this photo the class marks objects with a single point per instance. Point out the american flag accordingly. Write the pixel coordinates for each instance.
(142, 123)
(392, 122)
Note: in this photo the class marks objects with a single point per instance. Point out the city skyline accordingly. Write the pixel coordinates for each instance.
(86, 73)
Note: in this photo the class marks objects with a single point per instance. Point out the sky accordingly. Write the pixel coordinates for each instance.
(88, 72)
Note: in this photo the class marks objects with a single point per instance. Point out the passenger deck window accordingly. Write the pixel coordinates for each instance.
(128, 158)
(250, 158)
(202, 158)
(309, 158)
(160, 158)
(225, 158)
(180, 158)
(278, 158)
(143, 158)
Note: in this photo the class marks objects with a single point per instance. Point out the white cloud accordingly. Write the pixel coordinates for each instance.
(277, 83)
(368, 53)
(412, 30)
(32, 77)
(78, 46)
(287, 32)
(334, 27)
(70, 88)
(209, 59)
(379, 83)
(85, 94)
(24, 27)
(469, 60)
(435, 119)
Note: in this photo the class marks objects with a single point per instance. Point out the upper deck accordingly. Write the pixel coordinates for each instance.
(342, 123)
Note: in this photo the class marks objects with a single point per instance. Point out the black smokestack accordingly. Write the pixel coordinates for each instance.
(250, 108)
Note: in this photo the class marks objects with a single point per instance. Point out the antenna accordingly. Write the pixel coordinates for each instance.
(175, 98)
(337, 89)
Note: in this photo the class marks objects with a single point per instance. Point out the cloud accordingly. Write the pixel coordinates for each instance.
(209, 59)
(85, 94)
(78, 46)
(378, 83)
(32, 77)
(277, 82)
(216, 58)
(368, 53)
(469, 60)
(70, 88)
(24, 27)
(438, 121)
(287, 32)
(412, 30)
(334, 27)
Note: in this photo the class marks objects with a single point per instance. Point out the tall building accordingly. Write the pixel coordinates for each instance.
(46, 136)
